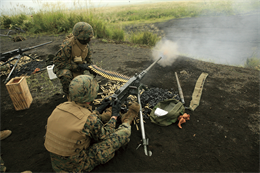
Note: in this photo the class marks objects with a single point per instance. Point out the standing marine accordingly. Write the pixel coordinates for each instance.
(77, 138)
(74, 55)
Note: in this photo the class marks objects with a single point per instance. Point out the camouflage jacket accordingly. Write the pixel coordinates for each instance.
(96, 130)
(64, 58)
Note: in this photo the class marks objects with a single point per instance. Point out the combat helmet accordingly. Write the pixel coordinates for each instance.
(83, 88)
(82, 31)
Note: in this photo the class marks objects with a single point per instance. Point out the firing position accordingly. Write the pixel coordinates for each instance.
(74, 55)
(76, 137)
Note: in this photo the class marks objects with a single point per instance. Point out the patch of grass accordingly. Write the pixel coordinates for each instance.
(118, 34)
(253, 63)
(107, 22)
(177, 9)
(14, 21)
(57, 22)
(146, 37)
(104, 40)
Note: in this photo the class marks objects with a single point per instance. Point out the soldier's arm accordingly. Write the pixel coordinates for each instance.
(95, 129)
(63, 59)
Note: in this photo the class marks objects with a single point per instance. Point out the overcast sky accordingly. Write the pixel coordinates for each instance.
(8, 6)
(7, 3)
(31, 2)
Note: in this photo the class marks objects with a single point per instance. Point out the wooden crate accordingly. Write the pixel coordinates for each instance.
(19, 92)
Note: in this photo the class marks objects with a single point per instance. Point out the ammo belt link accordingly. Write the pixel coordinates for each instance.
(109, 74)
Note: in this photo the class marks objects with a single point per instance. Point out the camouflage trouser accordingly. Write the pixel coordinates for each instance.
(66, 77)
(96, 154)
(2, 166)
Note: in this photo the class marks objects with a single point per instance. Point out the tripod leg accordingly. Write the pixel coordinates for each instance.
(7, 79)
(8, 61)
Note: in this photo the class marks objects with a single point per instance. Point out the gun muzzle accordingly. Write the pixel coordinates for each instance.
(153, 64)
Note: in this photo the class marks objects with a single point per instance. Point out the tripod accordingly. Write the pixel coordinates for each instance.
(18, 53)
(17, 58)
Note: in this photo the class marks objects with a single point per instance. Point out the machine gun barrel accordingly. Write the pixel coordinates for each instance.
(5, 56)
(18, 53)
(33, 47)
(141, 75)
(131, 86)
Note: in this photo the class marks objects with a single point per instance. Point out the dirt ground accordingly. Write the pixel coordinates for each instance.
(221, 136)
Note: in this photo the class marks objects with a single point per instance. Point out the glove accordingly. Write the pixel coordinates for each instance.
(104, 104)
(106, 115)
(83, 67)
(134, 107)
(116, 107)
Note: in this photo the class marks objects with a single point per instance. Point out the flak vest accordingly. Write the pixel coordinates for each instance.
(79, 51)
(64, 135)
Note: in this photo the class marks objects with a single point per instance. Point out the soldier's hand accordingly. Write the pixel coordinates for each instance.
(135, 107)
(106, 115)
(83, 67)
(104, 104)
(116, 107)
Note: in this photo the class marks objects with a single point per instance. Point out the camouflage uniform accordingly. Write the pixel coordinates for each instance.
(66, 66)
(105, 139)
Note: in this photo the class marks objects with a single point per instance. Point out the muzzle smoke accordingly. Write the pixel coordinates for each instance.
(222, 39)
(167, 50)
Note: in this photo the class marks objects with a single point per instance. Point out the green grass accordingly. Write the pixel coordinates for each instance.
(160, 11)
(108, 22)
(146, 38)
(253, 63)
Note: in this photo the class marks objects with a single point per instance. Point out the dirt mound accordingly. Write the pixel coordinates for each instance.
(222, 134)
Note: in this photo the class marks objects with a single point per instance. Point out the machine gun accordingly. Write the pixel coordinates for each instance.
(133, 87)
(18, 53)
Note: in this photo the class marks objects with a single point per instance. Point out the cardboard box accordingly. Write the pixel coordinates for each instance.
(19, 93)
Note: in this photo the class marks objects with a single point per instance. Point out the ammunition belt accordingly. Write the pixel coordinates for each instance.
(109, 74)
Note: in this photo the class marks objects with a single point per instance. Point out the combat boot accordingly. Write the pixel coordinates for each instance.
(131, 113)
(2, 168)
(4, 134)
